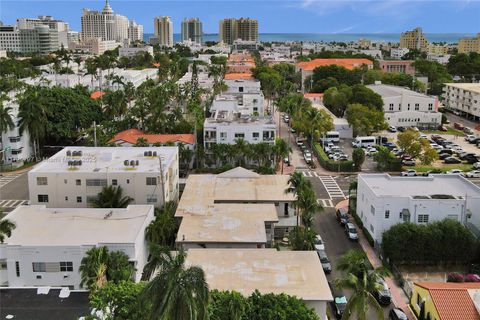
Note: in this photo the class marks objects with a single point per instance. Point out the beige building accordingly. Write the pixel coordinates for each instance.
(234, 29)
(162, 31)
(467, 45)
(94, 45)
(414, 40)
(192, 30)
(438, 48)
(135, 31)
(463, 98)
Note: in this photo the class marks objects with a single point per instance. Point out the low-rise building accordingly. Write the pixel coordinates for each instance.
(463, 98)
(407, 108)
(399, 66)
(128, 138)
(74, 176)
(398, 53)
(131, 51)
(48, 244)
(384, 200)
(95, 45)
(295, 273)
(440, 58)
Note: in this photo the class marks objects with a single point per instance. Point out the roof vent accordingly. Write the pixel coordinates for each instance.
(69, 153)
(154, 153)
(125, 162)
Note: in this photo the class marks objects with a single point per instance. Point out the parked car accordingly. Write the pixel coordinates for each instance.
(383, 296)
(473, 174)
(452, 160)
(286, 119)
(327, 267)
(458, 126)
(292, 130)
(343, 157)
(409, 173)
(401, 129)
(466, 155)
(442, 128)
(342, 216)
(339, 305)
(449, 151)
(371, 151)
(397, 314)
(286, 160)
(471, 159)
(319, 244)
(351, 232)
(408, 162)
(389, 145)
(392, 129)
(443, 156)
(308, 157)
(299, 141)
(467, 130)
(476, 165)
(455, 171)
(469, 137)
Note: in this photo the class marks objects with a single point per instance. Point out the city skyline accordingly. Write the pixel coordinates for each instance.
(307, 16)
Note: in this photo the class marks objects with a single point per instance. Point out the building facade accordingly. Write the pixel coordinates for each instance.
(192, 30)
(40, 39)
(132, 51)
(163, 31)
(399, 66)
(238, 29)
(414, 40)
(106, 25)
(62, 28)
(467, 45)
(384, 200)
(95, 45)
(74, 176)
(135, 31)
(48, 244)
(463, 97)
(407, 108)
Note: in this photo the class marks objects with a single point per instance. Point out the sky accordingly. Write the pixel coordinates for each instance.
(274, 16)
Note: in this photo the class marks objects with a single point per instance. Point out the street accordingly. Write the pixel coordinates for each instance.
(13, 191)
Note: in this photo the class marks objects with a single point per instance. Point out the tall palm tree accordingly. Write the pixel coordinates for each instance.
(6, 228)
(32, 114)
(307, 203)
(93, 268)
(282, 150)
(6, 121)
(177, 292)
(297, 184)
(112, 197)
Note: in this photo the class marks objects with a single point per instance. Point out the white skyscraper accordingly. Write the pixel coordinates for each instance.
(106, 25)
(163, 31)
(135, 31)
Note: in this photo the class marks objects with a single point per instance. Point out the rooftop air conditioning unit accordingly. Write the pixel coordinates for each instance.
(69, 153)
(154, 153)
(125, 162)
(132, 163)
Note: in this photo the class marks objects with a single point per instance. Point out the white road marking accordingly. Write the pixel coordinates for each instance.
(333, 190)
(12, 203)
(6, 179)
(326, 203)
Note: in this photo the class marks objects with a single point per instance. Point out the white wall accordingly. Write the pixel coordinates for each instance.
(320, 307)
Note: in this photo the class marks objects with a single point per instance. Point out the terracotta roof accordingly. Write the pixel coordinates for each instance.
(156, 64)
(346, 63)
(312, 95)
(453, 300)
(132, 135)
(238, 76)
(97, 94)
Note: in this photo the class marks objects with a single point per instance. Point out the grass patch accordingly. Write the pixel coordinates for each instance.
(450, 131)
(439, 165)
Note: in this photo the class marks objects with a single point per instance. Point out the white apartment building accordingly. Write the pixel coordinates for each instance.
(48, 244)
(74, 176)
(106, 24)
(131, 51)
(398, 53)
(40, 39)
(463, 97)
(440, 58)
(162, 31)
(383, 201)
(407, 108)
(14, 147)
(60, 26)
(135, 31)
(95, 45)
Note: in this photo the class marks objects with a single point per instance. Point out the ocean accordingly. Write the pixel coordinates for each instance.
(339, 37)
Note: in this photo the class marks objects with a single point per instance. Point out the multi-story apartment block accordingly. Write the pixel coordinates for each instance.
(60, 26)
(467, 45)
(131, 51)
(234, 29)
(48, 244)
(414, 40)
(384, 200)
(163, 31)
(95, 45)
(398, 53)
(135, 31)
(438, 48)
(463, 97)
(399, 66)
(75, 175)
(407, 108)
(106, 25)
(192, 30)
(40, 39)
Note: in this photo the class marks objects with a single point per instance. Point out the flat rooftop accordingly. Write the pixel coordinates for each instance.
(296, 273)
(227, 223)
(435, 184)
(107, 159)
(473, 87)
(393, 91)
(40, 226)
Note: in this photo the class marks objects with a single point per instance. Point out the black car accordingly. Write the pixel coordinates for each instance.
(466, 155)
(339, 305)
(443, 156)
(471, 159)
(342, 216)
(449, 151)
(383, 296)
(401, 129)
(452, 160)
(397, 314)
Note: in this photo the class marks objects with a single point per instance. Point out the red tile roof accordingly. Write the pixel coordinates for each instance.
(452, 300)
(238, 76)
(132, 135)
(312, 95)
(97, 94)
(346, 63)
(156, 64)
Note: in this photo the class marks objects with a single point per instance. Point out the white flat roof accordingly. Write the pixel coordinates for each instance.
(473, 87)
(435, 184)
(296, 273)
(227, 223)
(386, 90)
(40, 226)
(108, 159)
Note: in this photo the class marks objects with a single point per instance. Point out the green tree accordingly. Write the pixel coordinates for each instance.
(365, 120)
(177, 292)
(386, 160)
(358, 157)
(112, 197)
(163, 230)
(6, 228)
(32, 114)
(141, 142)
(302, 238)
(336, 100)
(282, 150)
(93, 268)
(6, 121)
(227, 305)
(409, 141)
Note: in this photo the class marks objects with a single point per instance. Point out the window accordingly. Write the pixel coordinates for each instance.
(417, 106)
(114, 182)
(387, 214)
(390, 107)
(152, 198)
(79, 199)
(223, 135)
(128, 181)
(151, 181)
(408, 106)
(66, 266)
(65, 181)
(372, 210)
(39, 267)
(66, 198)
(256, 135)
(96, 182)
(423, 218)
(239, 135)
(17, 268)
(430, 106)
(42, 181)
(42, 198)
(3, 264)
(78, 182)
(240, 89)
(371, 228)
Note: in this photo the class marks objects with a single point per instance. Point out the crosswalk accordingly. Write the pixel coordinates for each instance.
(334, 191)
(6, 179)
(310, 174)
(326, 203)
(12, 203)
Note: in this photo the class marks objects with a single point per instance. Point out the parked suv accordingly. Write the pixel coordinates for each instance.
(383, 296)
(342, 216)
(351, 232)
(397, 314)
(327, 267)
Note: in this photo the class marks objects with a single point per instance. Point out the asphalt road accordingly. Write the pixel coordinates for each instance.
(13, 188)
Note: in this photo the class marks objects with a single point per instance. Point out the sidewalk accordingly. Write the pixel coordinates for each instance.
(399, 298)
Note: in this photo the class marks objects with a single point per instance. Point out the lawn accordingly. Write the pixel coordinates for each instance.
(450, 131)
(442, 166)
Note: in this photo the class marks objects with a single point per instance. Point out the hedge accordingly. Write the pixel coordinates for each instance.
(359, 223)
(339, 166)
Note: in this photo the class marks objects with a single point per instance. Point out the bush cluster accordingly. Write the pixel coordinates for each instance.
(339, 166)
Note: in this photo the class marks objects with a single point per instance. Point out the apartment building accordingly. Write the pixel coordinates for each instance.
(398, 53)
(132, 51)
(384, 200)
(135, 31)
(163, 31)
(192, 30)
(438, 48)
(74, 176)
(233, 29)
(62, 28)
(414, 40)
(407, 108)
(95, 46)
(463, 98)
(40, 39)
(467, 45)
(398, 66)
(48, 244)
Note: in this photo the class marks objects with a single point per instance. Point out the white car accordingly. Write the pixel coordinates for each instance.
(392, 129)
(319, 244)
(409, 173)
(476, 165)
(371, 151)
(473, 174)
(423, 136)
(308, 157)
(455, 171)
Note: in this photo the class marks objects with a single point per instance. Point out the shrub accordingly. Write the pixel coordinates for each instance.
(339, 166)
(455, 277)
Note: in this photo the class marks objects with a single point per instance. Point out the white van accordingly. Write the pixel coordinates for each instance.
(364, 142)
(331, 136)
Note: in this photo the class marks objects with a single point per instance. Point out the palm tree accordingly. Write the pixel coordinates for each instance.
(6, 121)
(6, 228)
(91, 66)
(78, 61)
(297, 184)
(177, 292)
(282, 150)
(307, 203)
(112, 197)
(163, 229)
(32, 114)
(93, 268)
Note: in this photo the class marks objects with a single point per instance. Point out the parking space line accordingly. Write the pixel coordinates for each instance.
(12, 203)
